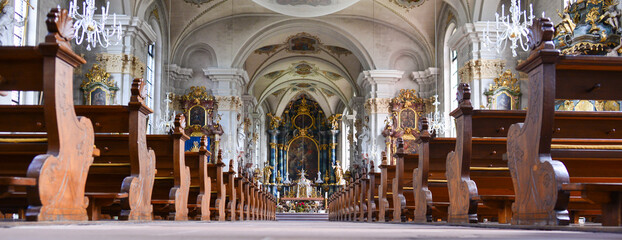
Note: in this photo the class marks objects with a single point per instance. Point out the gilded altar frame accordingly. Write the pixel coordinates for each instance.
(407, 106)
(98, 79)
(506, 86)
(303, 132)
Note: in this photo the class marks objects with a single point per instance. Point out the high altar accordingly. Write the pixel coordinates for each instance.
(302, 138)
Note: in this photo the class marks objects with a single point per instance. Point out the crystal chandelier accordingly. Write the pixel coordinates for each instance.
(95, 31)
(436, 120)
(167, 122)
(513, 29)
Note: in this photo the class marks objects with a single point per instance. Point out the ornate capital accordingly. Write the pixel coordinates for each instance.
(122, 63)
(229, 103)
(478, 69)
(377, 105)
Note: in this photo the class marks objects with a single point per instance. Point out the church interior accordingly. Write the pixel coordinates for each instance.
(291, 118)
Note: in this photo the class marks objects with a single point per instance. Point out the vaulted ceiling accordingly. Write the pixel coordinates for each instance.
(370, 34)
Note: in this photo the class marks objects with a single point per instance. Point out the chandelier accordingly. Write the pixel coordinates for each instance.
(167, 122)
(436, 120)
(94, 31)
(513, 29)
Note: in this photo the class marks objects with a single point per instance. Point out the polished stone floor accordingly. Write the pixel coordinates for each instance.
(274, 230)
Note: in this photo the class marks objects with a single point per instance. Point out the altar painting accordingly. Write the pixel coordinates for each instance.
(408, 121)
(303, 153)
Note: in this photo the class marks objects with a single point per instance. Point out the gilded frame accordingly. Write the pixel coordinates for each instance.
(89, 99)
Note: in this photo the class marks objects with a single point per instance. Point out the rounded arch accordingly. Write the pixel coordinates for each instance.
(340, 70)
(289, 25)
(405, 53)
(197, 47)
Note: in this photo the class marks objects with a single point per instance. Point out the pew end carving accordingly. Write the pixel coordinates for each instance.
(462, 190)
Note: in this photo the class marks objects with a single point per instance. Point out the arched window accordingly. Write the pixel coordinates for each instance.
(149, 82)
(450, 77)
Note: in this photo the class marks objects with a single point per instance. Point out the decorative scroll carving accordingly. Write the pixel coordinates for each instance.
(462, 190)
(537, 178)
(423, 196)
(505, 93)
(139, 184)
(61, 172)
(179, 192)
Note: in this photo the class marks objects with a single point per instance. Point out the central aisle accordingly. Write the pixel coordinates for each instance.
(272, 230)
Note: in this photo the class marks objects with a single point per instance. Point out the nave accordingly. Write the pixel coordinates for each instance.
(277, 230)
(290, 129)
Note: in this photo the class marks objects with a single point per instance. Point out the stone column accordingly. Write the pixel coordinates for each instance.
(380, 88)
(480, 63)
(127, 60)
(228, 86)
(273, 156)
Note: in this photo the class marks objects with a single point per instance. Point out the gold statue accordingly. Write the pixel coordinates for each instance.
(338, 174)
(267, 173)
(334, 121)
(274, 121)
(566, 26)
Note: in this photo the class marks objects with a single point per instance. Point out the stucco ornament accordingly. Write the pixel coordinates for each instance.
(306, 8)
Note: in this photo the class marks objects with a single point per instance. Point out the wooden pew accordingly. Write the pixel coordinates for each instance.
(541, 184)
(477, 161)
(172, 182)
(200, 182)
(125, 170)
(53, 182)
(428, 179)
(372, 192)
(218, 190)
(364, 185)
(231, 196)
(404, 200)
(385, 197)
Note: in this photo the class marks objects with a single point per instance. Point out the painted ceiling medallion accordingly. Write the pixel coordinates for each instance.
(198, 2)
(303, 69)
(408, 4)
(303, 43)
(305, 8)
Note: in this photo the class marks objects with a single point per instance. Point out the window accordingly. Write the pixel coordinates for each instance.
(453, 79)
(149, 81)
(21, 15)
(450, 79)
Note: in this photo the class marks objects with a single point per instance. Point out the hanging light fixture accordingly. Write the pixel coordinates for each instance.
(94, 31)
(436, 119)
(513, 29)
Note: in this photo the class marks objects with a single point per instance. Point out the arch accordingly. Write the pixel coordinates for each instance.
(295, 25)
(182, 59)
(405, 53)
(340, 70)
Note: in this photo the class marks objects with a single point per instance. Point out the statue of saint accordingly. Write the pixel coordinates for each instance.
(566, 26)
(267, 172)
(338, 174)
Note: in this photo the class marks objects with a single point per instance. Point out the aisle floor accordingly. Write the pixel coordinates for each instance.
(273, 230)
